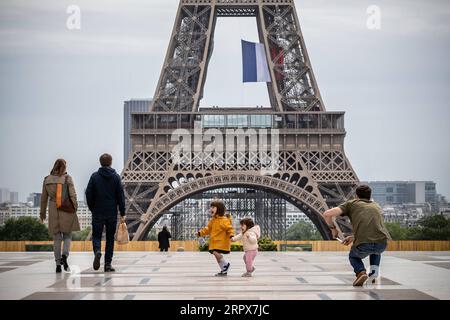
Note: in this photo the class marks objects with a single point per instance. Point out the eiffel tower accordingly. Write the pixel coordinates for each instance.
(313, 172)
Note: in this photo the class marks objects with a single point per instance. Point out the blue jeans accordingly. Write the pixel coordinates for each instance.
(110, 224)
(373, 250)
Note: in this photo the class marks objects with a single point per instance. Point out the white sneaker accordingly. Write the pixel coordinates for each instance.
(225, 268)
(373, 275)
(373, 279)
(246, 274)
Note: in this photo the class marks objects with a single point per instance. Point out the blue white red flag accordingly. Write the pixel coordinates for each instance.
(254, 62)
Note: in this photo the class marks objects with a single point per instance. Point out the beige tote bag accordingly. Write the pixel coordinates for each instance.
(122, 236)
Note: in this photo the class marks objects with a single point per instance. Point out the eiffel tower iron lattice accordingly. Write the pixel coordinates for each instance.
(312, 171)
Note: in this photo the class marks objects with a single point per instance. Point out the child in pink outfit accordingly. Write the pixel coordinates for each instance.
(249, 235)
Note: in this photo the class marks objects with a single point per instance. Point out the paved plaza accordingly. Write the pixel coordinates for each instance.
(189, 275)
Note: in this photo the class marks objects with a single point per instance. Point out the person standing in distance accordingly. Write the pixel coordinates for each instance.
(163, 239)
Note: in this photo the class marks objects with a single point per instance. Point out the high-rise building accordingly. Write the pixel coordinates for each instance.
(4, 195)
(131, 106)
(401, 192)
(14, 197)
(84, 196)
(35, 199)
(8, 197)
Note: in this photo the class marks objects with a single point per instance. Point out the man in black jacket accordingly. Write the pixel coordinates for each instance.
(163, 239)
(105, 196)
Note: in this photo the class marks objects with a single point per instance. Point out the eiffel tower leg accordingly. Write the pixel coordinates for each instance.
(181, 83)
(293, 85)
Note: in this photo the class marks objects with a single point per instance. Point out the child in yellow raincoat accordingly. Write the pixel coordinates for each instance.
(220, 231)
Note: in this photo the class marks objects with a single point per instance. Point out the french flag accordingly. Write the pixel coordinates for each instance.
(254, 62)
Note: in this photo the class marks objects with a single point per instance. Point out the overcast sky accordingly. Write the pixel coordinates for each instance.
(62, 91)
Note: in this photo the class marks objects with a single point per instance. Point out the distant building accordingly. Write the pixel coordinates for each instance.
(294, 215)
(8, 197)
(4, 195)
(35, 199)
(5, 214)
(444, 206)
(407, 215)
(84, 216)
(402, 192)
(14, 197)
(445, 211)
(130, 107)
(23, 210)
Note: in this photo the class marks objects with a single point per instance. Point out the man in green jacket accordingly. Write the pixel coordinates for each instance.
(369, 237)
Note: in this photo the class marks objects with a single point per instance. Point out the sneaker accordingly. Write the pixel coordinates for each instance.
(58, 268)
(372, 278)
(246, 274)
(221, 274)
(64, 263)
(360, 279)
(97, 258)
(225, 269)
(108, 268)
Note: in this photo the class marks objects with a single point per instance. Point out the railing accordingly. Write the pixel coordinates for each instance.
(86, 246)
(238, 119)
(235, 2)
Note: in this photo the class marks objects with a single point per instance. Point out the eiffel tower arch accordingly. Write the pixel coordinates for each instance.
(312, 170)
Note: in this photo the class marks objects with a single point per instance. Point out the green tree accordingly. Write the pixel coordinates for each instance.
(152, 236)
(396, 231)
(24, 229)
(436, 227)
(266, 244)
(303, 230)
(81, 235)
(414, 233)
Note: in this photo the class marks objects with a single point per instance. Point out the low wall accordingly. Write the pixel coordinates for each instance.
(403, 245)
(82, 246)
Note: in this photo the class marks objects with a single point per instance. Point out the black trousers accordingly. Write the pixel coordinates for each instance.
(109, 223)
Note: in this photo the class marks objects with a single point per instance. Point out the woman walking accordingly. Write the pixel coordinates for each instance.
(60, 223)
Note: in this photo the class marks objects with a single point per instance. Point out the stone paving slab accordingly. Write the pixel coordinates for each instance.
(190, 276)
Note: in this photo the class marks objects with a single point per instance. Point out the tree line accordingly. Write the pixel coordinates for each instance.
(31, 229)
(435, 227)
